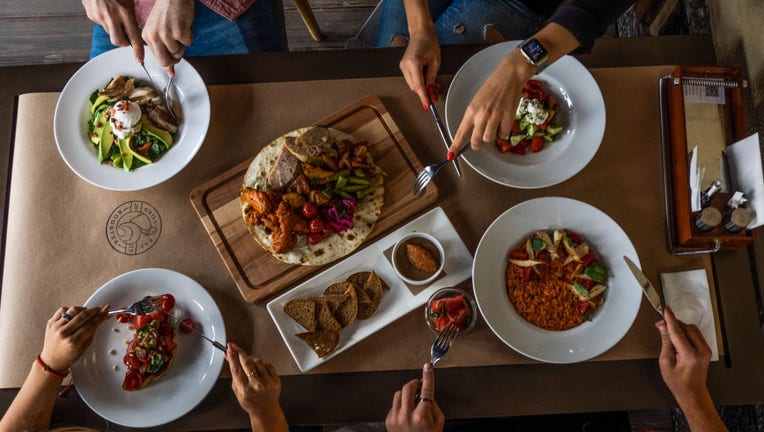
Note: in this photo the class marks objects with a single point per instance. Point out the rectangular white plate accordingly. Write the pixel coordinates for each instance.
(396, 302)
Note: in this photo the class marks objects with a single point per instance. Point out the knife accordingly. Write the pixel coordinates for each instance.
(652, 295)
(443, 134)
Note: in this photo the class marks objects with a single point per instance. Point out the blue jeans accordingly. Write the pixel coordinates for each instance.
(462, 21)
(254, 31)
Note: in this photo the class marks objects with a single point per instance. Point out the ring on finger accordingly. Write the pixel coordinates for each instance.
(425, 400)
(254, 374)
(66, 317)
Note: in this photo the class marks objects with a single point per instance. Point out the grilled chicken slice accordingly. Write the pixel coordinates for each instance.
(286, 169)
(261, 202)
(118, 88)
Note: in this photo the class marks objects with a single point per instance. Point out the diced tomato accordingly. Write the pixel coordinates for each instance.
(582, 308)
(521, 147)
(551, 101)
(537, 144)
(186, 325)
(165, 329)
(587, 283)
(503, 145)
(167, 302)
(133, 381)
(158, 315)
(534, 84)
(144, 149)
(141, 320)
(575, 237)
(169, 344)
(544, 125)
(449, 310)
(518, 254)
(515, 126)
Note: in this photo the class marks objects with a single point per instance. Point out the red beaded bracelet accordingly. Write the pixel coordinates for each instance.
(49, 370)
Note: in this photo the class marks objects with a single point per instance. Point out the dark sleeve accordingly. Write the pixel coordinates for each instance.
(588, 19)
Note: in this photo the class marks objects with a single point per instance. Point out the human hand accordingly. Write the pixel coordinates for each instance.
(420, 63)
(257, 387)
(684, 358)
(65, 341)
(426, 416)
(493, 107)
(168, 31)
(117, 17)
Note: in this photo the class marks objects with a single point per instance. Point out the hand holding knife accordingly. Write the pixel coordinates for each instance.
(650, 292)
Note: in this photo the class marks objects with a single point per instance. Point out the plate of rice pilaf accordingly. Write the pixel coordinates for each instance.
(549, 323)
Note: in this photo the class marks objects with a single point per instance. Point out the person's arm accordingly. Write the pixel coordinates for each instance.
(684, 361)
(117, 17)
(65, 341)
(421, 61)
(257, 387)
(168, 31)
(410, 415)
(588, 19)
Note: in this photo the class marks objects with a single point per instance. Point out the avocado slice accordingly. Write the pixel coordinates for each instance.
(100, 118)
(137, 155)
(104, 143)
(161, 134)
(126, 153)
(99, 100)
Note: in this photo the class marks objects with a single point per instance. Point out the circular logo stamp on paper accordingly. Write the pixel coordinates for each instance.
(133, 227)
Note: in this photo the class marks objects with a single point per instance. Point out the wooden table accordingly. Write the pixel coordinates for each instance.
(486, 391)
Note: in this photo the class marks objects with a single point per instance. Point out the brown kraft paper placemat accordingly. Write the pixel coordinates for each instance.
(58, 253)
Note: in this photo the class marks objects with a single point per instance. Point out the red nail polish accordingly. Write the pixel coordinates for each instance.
(434, 97)
(424, 106)
(450, 156)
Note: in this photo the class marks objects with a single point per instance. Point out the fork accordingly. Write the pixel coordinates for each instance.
(169, 98)
(424, 176)
(144, 306)
(443, 342)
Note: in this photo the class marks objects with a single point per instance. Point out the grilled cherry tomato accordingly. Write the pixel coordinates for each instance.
(316, 225)
(167, 302)
(132, 362)
(309, 210)
(186, 325)
(133, 381)
(327, 230)
(141, 320)
(315, 238)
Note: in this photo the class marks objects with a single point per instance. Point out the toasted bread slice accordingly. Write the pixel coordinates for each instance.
(348, 309)
(323, 342)
(375, 288)
(310, 144)
(326, 319)
(303, 311)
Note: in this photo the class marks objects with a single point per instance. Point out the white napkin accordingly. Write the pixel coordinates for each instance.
(688, 295)
(744, 158)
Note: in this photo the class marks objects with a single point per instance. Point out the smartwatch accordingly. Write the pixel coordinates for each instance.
(535, 53)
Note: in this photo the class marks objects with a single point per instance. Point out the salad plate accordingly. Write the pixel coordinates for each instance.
(582, 115)
(192, 373)
(612, 319)
(70, 123)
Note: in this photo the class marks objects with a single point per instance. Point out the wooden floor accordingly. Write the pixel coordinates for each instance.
(44, 31)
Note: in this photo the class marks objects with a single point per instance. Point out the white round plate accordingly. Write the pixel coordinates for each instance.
(582, 113)
(73, 112)
(192, 374)
(590, 339)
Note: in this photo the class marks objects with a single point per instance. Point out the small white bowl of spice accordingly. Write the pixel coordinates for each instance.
(418, 258)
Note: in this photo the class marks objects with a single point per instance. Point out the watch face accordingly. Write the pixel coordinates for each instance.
(534, 50)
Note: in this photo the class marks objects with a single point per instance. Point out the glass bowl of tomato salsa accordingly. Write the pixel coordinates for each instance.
(450, 305)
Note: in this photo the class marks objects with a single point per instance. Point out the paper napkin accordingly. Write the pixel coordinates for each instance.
(745, 175)
(688, 295)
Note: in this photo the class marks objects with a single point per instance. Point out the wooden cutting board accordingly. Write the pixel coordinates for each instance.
(256, 273)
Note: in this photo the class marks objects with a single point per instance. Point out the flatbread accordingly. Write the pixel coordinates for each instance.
(332, 247)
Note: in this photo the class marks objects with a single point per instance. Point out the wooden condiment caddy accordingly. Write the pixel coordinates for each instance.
(684, 237)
